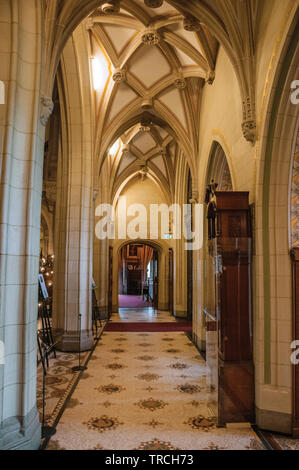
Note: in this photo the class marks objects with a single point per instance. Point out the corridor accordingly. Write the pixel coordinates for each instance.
(145, 391)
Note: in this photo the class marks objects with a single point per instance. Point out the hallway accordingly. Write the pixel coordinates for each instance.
(145, 391)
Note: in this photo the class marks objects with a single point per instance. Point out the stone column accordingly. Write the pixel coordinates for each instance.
(21, 173)
(180, 279)
(100, 271)
(163, 280)
(74, 216)
(73, 252)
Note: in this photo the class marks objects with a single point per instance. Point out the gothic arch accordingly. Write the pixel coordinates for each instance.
(294, 195)
(162, 248)
(218, 168)
(273, 305)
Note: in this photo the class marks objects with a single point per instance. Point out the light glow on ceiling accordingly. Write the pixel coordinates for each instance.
(116, 148)
(100, 72)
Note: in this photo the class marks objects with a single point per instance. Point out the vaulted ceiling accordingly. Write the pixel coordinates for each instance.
(234, 23)
(149, 67)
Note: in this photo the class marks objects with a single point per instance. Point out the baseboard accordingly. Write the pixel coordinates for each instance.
(274, 421)
(68, 341)
(21, 433)
(180, 313)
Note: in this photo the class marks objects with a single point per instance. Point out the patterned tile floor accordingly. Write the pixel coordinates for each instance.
(287, 443)
(58, 382)
(145, 391)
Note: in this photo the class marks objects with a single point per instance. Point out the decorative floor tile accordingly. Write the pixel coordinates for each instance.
(110, 389)
(155, 444)
(156, 400)
(151, 404)
(102, 424)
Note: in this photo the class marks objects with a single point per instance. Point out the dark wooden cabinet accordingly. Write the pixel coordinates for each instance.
(230, 246)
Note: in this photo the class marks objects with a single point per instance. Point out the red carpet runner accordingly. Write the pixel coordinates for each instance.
(149, 327)
(132, 301)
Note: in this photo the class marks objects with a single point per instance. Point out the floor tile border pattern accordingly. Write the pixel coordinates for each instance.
(64, 400)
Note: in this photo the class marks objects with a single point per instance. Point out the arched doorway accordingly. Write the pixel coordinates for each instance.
(138, 272)
(160, 290)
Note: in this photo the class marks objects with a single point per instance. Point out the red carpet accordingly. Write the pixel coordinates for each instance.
(149, 327)
(132, 301)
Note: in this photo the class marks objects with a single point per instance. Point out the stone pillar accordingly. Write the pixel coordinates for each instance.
(21, 173)
(74, 218)
(100, 271)
(73, 250)
(180, 279)
(101, 247)
(163, 303)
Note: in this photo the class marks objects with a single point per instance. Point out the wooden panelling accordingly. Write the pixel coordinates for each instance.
(232, 256)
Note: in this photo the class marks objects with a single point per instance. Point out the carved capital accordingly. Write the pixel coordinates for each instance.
(111, 8)
(143, 172)
(95, 194)
(249, 130)
(147, 102)
(153, 3)
(194, 197)
(46, 110)
(89, 23)
(191, 24)
(119, 75)
(146, 120)
(180, 81)
(150, 37)
(126, 148)
(210, 77)
(249, 122)
(144, 129)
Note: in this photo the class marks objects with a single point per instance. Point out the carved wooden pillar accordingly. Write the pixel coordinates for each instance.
(295, 266)
(230, 235)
